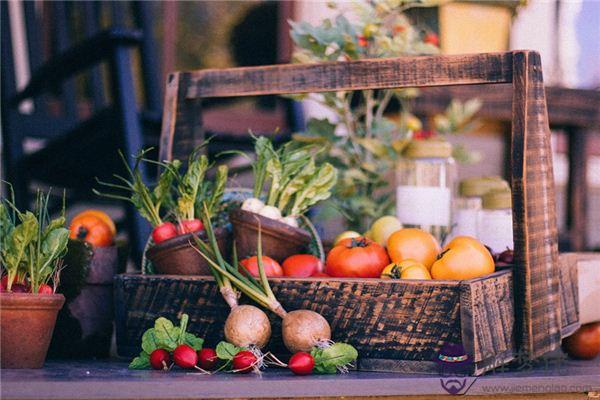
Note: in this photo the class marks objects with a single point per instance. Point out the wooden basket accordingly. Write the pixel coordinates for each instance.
(399, 325)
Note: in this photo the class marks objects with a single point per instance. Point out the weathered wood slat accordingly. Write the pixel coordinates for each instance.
(534, 212)
(352, 75)
(569, 292)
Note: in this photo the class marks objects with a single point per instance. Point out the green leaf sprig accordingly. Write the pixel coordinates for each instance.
(337, 357)
(165, 335)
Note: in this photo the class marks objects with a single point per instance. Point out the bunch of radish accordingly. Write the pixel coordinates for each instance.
(248, 326)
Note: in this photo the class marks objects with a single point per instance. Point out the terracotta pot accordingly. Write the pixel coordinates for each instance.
(177, 257)
(279, 240)
(27, 322)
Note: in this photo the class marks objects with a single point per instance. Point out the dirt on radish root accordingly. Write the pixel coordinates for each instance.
(304, 329)
(247, 325)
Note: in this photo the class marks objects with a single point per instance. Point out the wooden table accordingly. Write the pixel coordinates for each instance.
(112, 380)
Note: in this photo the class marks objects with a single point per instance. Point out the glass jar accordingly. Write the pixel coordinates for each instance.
(425, 179)
(495, 227)
(469, 203)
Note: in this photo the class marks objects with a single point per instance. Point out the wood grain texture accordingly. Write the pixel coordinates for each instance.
(391, 323)
(537, 297)
(352, 75)
(569, 292)
(182, 120)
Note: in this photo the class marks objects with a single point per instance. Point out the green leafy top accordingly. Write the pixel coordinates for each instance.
(32, 244)
(334, 358)
(294, 181)
(165, 335)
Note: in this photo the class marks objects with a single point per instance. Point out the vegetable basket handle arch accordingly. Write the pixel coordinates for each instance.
(536, 274)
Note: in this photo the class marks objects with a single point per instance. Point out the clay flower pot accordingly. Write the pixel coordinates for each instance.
(27, 322)
(176, 256)
(279, 240)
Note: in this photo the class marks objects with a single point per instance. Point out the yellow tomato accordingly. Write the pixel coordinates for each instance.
(345, 235)
(392, 271)
(383, 228)
(463, 258)
(416, 271)
(415, 244)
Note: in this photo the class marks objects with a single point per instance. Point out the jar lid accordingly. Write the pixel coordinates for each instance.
(428, 148)
(478, 186)
(497, 199)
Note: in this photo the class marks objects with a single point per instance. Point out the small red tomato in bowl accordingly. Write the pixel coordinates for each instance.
(272, 267)
(164, 231)
(301, 266)
(190, 226)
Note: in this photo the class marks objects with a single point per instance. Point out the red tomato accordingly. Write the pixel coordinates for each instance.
(301, 266)
(357, 257)
(432, 38)
(320, 275)
(45, 289)
(164, 231)
(272, 267)
(190, 226)
(584, 344)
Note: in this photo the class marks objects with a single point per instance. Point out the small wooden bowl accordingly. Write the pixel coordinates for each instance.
(176, 256)
(279, 240)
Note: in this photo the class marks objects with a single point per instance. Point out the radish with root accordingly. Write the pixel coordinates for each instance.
(303, 330)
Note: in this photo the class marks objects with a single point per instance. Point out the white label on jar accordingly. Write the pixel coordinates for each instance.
(465, 223)
(495, 229)
(423, 205)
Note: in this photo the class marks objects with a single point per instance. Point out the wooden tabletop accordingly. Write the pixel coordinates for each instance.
(112, 380)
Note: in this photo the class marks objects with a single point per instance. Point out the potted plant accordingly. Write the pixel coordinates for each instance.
(287, 182)
(31, 257)
(172, 206)
(362, 138)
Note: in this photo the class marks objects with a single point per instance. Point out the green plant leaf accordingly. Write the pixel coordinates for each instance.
(226, 351)
(149, 341)
(141, 362)
(166, 334)
(328, 360)
(193, 341)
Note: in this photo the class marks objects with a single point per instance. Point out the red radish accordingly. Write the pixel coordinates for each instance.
(207, 359)
(160, 359)
(362, 41)
(301, 363)
(244, 361)
(190, 226)
(185, 356)
(164, 231)
(432, 38)
(301, 266)
(4, 282)
(45, 289)
(19, 288)
(272, 267)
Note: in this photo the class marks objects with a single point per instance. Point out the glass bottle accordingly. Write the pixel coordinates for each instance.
(495, 227)
(425, 179)
(469, 203)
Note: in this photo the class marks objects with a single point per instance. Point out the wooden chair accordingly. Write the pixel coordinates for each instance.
(82, 111)
(536, 274)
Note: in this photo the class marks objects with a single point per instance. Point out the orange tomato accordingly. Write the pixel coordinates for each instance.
(91, 229)
(100, 214)
(463, 258)
(407, 269)
(413, 243)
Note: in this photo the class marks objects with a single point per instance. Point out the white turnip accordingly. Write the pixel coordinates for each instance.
(247, 326)
(253, 205)
(291, 221)
(270, 212)
(304, 329)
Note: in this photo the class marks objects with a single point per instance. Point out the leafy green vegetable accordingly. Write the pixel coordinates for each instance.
(330, 359)
(31, 244)
(226, 351)
(141, 362)
(190, 184)
(165, 335)
(295, 182)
